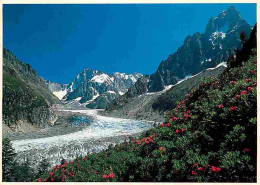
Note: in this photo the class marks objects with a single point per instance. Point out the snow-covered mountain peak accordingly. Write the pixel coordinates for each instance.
(102, 78)
(98, 88)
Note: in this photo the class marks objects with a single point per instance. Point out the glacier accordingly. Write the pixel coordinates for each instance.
(99, 135)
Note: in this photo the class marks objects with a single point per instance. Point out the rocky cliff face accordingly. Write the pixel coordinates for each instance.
(140, 87)
(198, 52)
(95, 89)
(152, 106)
(202, 50)
(26, 97)
(28, 75)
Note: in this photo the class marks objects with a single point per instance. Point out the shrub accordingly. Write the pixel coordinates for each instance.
(209, 137)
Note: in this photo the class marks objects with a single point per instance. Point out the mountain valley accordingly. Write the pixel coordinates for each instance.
(192, 120)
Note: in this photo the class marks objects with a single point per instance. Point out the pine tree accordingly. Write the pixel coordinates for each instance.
(43, 167)
(23, 171)
(8, 156)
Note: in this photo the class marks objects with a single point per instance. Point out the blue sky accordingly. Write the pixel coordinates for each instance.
(60, 40)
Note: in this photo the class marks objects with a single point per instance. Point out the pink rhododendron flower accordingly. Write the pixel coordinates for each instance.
(233, 108)
(246, 149)
(253, 71)
(238, 96)
(243, 92)
(215, 169)
(111, 175)
(233, 82)
(220, 106)
(162, 149)
(250, 89)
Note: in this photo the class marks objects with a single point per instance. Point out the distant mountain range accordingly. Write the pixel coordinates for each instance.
(152, 105)
(198, 52)
(94, 89)
(29, 98)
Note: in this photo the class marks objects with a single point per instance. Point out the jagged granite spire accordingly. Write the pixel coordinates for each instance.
(202, 50)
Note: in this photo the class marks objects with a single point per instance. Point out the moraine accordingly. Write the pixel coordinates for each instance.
(98, 135)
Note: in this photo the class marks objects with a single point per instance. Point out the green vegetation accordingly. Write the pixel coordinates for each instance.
(18, 96)
(169, 99)
(25, 94)
(14, 171)
(210, 136)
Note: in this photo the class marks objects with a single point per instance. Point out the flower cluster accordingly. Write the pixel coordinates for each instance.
(145, 140)
(180, 130)
(204, 168)
(162, 149)
(214, 84)
(233, 82)
(215, 169)
(173, 119)
(233, 108)
(248, 80)
(109, 176)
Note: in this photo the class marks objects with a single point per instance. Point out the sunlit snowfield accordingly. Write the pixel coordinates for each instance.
(98, 135)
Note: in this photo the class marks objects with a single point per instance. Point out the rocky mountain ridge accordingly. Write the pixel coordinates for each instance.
(198, 52)
(153, 105)
(26, 99)
(202, 50)
(93, 88)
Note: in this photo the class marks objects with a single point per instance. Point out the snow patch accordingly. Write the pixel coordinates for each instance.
(221, 64)
(233, 29)
(166, 88)
(121, 93)
(207, 60)
(125, 76)
(101, 78)
(216, 35)
(133, 78)
(224, 12)
(93, 98)
(78, 99)
(71, 87)
(111, 92)
(60, 94)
